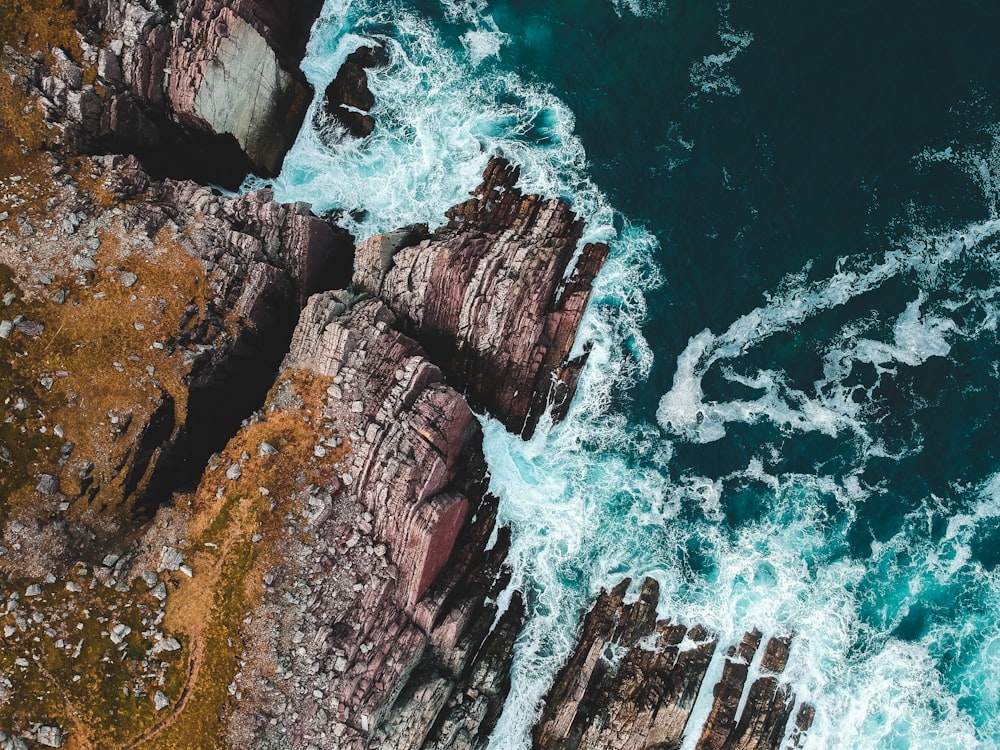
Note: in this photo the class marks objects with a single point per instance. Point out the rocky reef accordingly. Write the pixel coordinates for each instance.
(633, 680)
(244, 490)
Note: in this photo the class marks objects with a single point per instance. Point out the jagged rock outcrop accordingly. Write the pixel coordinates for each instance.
(489, 297)
(632, 684)
(348, 99)
(408, 498)
(208, 89)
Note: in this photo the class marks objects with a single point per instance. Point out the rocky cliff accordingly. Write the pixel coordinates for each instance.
(488, 294)
(249, 503)
(633, 680)
(202, 88)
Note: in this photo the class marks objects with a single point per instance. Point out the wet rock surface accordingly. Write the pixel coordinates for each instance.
(633, 681)
(348, 99)
(489, 297)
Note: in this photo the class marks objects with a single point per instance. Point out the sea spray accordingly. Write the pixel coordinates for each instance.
(825, 522)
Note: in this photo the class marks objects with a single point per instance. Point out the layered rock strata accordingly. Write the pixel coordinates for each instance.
(210, 88)
(407, 498)
(633, 681)
(332, 580)
(491, 296)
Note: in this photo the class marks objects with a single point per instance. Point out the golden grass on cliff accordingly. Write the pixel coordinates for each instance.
(29, 26)
(97, 361)
(226, 517)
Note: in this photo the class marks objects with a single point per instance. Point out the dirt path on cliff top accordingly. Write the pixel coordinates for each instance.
(197, 610)
(194, 614)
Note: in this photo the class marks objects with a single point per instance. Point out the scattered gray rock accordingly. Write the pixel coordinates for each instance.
(119, 633)
(266, 449)
(30, 328)
(234, 472)
(13, 743)
(165, 644)
(160, 701)
(171, 559)
(6, 329)
(128, 279)
(50, 736)
(48, 485)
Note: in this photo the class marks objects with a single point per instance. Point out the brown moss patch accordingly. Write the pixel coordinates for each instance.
(237, 528)
(101, 368)
(65, 669)
(29, 26)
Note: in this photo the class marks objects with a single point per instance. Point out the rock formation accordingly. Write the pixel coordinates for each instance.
(348, 99)
(489, 297)
(249, 504)
(210, 89)
(632, 683)
(386, 618)
(191, 361)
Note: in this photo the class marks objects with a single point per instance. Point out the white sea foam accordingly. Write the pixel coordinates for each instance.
(597, 497)
(641, 8)
(710, 76)
(437, 123)
(932, 262)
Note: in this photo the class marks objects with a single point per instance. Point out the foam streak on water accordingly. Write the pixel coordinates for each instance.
(894, 625)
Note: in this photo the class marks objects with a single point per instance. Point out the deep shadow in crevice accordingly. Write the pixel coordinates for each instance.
(220, 397)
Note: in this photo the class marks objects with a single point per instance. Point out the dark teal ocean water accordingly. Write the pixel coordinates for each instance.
(790, 415)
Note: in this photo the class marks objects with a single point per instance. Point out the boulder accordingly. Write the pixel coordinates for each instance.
(347, 98)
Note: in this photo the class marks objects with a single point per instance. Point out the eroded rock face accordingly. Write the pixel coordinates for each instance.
(408, 486)
(210, 89)
(489, 298)
(226, 78)
(632, 684)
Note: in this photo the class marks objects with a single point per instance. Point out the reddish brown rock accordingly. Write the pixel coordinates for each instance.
(392, 652)
(347, 99)
(208, 89)
(632, 684)
(225, 77)
(411, 430)
(489, 297)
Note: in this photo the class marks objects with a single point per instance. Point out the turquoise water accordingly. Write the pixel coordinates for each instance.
(789, 416)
